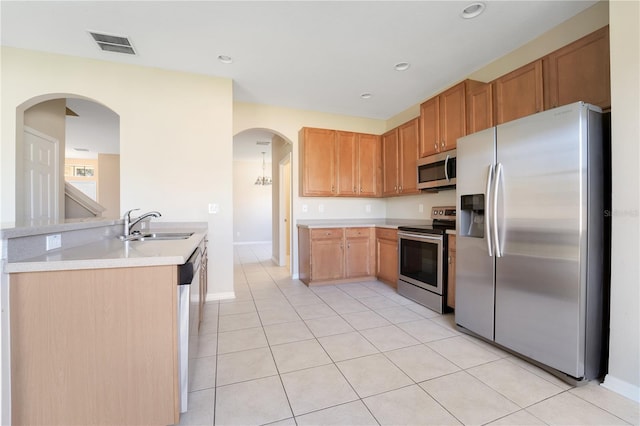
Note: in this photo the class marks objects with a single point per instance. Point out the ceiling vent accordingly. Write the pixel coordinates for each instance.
(113, 43)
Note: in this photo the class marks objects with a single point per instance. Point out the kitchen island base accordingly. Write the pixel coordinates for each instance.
(95, 346)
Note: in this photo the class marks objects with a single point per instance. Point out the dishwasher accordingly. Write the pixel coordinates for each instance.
(188, 320)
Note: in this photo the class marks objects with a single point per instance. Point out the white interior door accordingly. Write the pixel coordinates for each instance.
(40, 177)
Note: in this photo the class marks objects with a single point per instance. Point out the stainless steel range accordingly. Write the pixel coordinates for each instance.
(422, 254)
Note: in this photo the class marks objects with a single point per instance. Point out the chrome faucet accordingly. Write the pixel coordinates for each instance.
(129, 224)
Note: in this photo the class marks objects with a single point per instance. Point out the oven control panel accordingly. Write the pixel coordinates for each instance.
(443, 212)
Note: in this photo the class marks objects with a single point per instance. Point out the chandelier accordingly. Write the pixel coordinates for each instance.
(263, 180)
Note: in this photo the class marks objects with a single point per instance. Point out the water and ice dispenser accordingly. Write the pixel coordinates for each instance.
(472, 216)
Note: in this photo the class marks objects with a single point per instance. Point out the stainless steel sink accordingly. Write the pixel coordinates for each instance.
(157, 236)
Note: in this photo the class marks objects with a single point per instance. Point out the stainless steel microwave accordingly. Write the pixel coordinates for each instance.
(437, 171)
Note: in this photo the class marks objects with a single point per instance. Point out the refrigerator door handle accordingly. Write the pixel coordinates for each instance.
(487, 211)
(494, 216)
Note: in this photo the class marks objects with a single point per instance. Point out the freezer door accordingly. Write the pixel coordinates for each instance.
(474, 265)
(541, 217)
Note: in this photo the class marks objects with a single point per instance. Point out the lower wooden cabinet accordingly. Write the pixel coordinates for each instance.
(334, 255)
(451, 283)
(387, 256)
(95, 346)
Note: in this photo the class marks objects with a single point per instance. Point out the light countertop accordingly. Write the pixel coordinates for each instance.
(113, 253)
(351, 223)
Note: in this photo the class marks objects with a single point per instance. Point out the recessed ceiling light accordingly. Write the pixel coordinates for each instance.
(402, 66)
(472, 10)
(366, 95)
(225, 59)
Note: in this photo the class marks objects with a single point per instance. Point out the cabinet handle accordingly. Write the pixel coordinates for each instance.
(333, 188)
(348, 245)
(355, 189)
(435, 146)
(360, 189)
(395, 188)
(443, 144)
(400, 189)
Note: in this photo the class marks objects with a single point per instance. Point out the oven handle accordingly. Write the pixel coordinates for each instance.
(419, 237)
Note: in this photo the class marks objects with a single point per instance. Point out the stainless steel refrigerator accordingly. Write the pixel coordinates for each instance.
(529, 266)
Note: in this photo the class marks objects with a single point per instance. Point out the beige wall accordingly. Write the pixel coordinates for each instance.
(49, 118)
(185, 152)
(251, 203)
(109, 184)
(624, 344)
(280, 149)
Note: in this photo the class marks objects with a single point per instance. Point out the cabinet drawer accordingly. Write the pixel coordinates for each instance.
(387, 233)
(358, 232)
(452, 242)
(326, 233)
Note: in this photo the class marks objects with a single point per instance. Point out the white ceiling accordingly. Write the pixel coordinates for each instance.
(314, 55)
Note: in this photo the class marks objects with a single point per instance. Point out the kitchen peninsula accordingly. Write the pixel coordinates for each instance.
(94, 324)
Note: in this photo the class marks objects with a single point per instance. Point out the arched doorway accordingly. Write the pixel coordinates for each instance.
(262, 212)
(62, 128)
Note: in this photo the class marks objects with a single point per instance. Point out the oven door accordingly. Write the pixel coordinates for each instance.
(420, 260)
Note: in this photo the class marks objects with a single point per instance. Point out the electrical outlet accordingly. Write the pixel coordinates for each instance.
(54, 241)
(305, 208)
(367, 208)
(321, 208)
(421, 208)
(214, 208)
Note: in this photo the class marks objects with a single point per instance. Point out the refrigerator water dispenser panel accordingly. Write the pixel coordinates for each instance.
(472, 216)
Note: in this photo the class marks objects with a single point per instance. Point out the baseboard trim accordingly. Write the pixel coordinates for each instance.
(246, 243)
(220, 296)
(621, 387)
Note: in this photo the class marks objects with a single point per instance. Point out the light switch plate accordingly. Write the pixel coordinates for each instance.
(54, 241)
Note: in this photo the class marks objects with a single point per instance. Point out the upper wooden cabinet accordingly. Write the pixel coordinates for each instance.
(579, 72)
(317, 162)
(369, 165)
(443, 119)
(519, 93)
(337, 163)
(390, 162)
(400, 158)
(480, 108)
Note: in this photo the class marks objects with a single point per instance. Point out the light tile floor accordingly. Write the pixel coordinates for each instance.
(360, 354)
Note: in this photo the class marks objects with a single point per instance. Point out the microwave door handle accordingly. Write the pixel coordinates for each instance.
(446, 168)
(487, 211)
(496, 236)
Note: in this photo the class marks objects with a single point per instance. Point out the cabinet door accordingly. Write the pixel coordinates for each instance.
(369, 170)
(327, 259)
(357, 257)
(451, 283)
(346, 163)
(387, 261)
(579, 72)
(479, 108)
(429, 127)
(452, 116)
(519, 93)
(390, 162)
(317, 167)
(408, 172)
